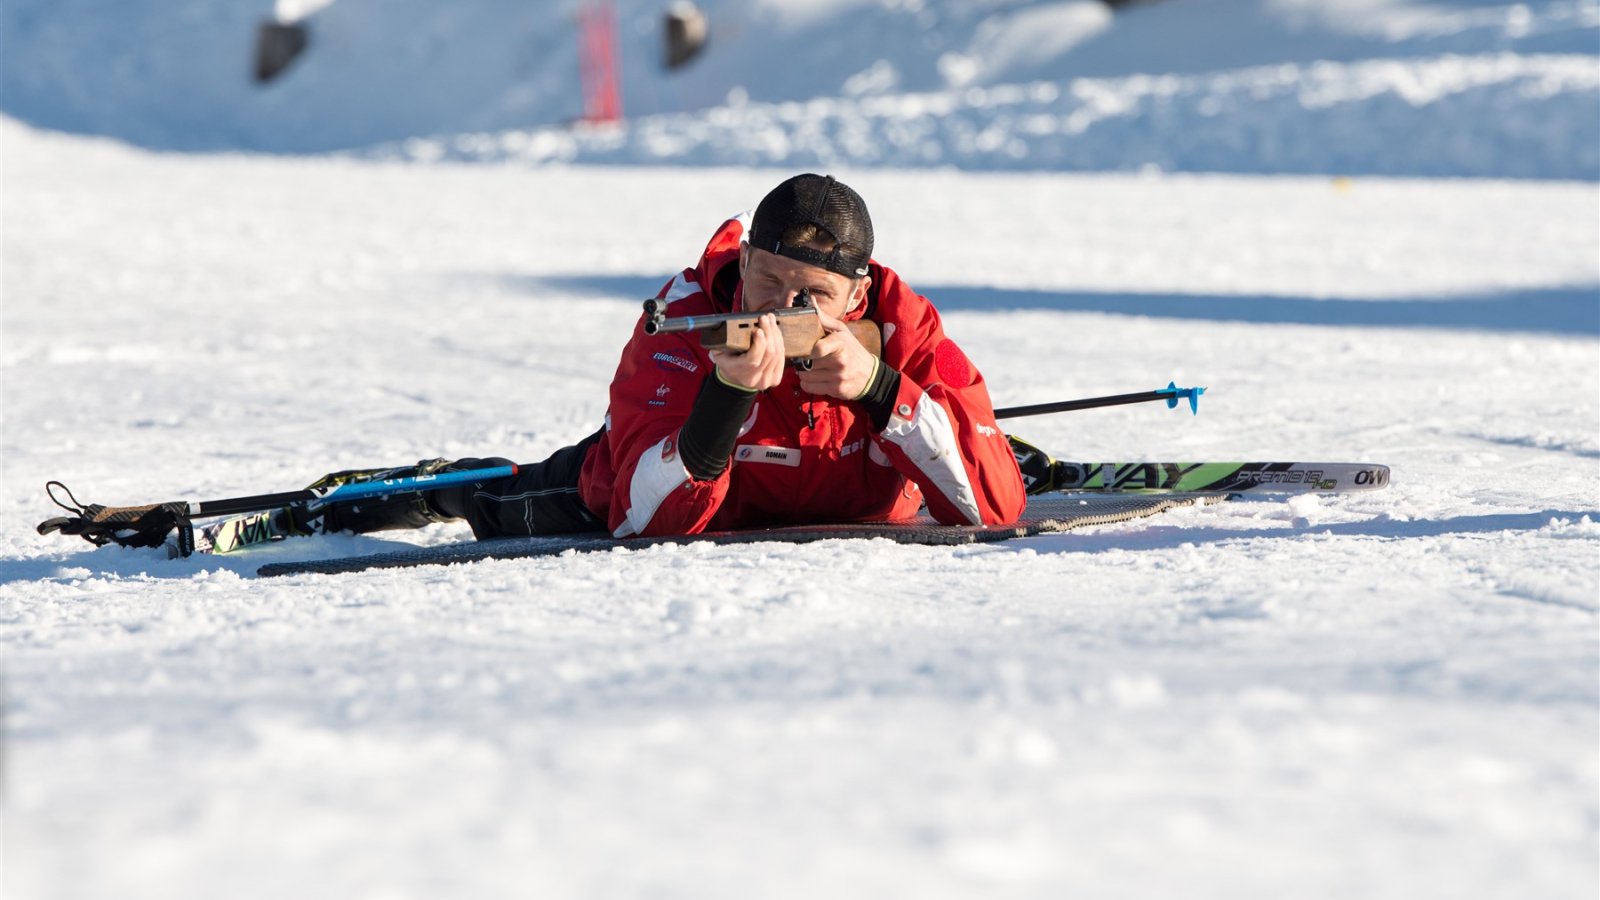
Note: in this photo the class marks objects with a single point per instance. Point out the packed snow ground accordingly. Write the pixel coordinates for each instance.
(1382, 695)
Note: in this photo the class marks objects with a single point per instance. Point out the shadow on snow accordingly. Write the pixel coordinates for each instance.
(1167, 537)
(1564, 310)
(150, 563)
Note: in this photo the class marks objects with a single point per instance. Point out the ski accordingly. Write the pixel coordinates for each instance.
(171, 523)
(239, 532)
(1232, 477)
(1047, 514)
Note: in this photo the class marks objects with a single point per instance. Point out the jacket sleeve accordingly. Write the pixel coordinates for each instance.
(942, 432)
(652, 394)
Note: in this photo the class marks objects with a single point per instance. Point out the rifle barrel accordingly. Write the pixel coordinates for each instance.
(657, 323)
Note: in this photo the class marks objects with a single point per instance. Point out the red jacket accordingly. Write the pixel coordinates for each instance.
(800, 458)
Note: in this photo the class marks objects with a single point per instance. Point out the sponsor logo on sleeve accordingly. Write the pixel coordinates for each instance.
(668, 360)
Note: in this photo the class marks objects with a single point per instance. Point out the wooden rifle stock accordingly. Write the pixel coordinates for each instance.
(799, 325)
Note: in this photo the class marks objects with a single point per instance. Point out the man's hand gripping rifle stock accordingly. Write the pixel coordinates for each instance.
(731, 332)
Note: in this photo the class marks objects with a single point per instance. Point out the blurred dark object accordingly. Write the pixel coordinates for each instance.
(277, 45)
(685, 32)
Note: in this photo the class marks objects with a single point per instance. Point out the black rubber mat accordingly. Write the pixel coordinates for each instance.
(1046, 513)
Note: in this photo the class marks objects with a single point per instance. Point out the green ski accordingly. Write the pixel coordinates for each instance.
(1233, 477)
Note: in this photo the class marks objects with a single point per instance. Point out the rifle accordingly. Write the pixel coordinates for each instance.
(731, 331)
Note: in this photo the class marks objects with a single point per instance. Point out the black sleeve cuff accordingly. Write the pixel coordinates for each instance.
(706, 440)
(879, 398)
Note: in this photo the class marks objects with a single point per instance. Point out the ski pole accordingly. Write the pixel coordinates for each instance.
(96, 518)
(1171, 393)
(352, 491)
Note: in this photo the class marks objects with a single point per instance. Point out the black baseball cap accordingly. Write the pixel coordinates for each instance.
(822, 201)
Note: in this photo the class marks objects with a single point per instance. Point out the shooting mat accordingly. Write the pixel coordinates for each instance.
(1046, 514)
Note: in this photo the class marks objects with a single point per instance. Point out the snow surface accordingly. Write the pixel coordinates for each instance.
(1385, 695)
(1460, 116)
(1381, 695)
(1478, 88)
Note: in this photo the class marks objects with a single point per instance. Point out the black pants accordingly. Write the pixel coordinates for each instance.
(542, 498)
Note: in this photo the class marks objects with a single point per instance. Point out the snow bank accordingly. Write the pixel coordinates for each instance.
(1494, 116)
(1470, 87)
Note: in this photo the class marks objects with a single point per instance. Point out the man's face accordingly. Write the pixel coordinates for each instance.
(772, 282)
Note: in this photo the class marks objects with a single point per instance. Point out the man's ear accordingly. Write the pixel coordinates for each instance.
(858, 295)
(744, 257)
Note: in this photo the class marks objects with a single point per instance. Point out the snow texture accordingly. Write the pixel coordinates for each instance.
(1381, 695)
(1384, 695)
(1443, 116)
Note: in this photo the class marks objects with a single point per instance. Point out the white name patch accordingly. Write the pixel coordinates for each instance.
(761, 453)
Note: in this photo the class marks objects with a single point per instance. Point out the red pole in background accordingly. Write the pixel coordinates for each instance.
(597, 61)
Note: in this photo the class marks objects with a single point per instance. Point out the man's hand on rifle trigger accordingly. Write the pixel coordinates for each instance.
(760, 367)
(840, 366)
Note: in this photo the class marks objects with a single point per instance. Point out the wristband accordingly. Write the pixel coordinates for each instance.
(867, 388)
(879, 396)
(738, 387)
